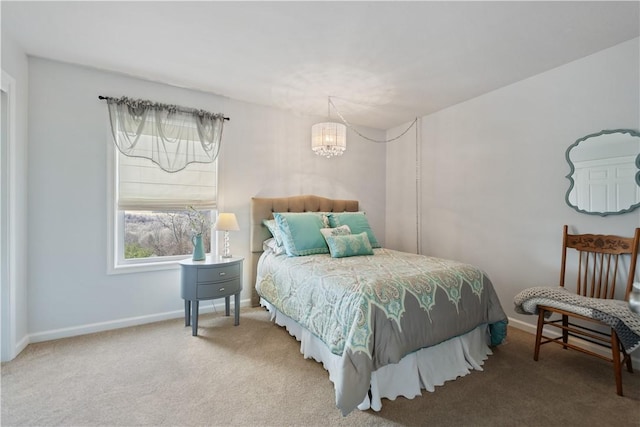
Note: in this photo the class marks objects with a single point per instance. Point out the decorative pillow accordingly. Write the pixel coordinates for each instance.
(338, 231)
(273, 229)
(301, 233)
(271, 245)
(324, 216)
(349, 245)
(357, 222)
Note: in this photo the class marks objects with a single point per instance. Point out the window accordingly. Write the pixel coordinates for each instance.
(162, 168)
(151, 226)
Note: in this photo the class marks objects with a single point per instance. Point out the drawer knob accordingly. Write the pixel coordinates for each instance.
(223, 273)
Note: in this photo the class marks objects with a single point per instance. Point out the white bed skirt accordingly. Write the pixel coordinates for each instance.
(423, 369)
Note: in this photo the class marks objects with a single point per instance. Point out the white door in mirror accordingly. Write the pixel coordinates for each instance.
(634, 298)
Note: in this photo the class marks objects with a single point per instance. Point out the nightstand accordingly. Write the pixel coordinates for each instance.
(211, 278)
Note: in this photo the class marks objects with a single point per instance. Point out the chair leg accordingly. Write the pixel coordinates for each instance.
(626, 359)
(536, 351)
(565, 332)
(617, 367)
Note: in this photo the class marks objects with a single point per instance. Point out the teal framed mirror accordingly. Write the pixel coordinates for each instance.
(605, 173)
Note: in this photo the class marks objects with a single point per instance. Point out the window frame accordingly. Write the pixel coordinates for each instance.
(116, 263)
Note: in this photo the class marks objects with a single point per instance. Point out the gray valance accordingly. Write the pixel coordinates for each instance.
(169, 135)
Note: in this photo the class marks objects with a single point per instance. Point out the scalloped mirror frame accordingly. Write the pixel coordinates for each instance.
(632, 133)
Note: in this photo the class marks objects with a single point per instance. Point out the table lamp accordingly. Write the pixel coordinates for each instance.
(226, 222)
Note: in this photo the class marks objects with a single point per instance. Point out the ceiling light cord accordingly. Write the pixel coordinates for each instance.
(418, 189)
(378, 141)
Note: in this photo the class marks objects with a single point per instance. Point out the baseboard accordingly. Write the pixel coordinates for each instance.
(526, 327)
(218, 305)
(523, 326)
(21, 345)
(54, 334)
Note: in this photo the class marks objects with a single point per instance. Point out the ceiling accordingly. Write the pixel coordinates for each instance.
(383, 63)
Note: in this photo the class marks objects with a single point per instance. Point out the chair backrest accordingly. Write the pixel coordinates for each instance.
(600, 262)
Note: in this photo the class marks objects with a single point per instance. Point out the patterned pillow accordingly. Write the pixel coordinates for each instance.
(301, 233)
(273, 229)
(349, 245)
(324, 216)
(357, 222)
(338, 231)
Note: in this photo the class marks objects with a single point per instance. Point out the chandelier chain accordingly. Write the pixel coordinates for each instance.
(378, 141)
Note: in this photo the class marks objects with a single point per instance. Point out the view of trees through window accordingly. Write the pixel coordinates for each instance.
(158, 234)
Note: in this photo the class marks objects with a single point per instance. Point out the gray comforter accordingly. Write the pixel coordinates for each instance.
(373, 310)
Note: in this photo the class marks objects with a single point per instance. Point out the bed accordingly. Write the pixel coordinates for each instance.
(383, 323)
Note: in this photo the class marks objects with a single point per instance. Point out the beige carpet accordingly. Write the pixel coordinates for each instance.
(254, 374)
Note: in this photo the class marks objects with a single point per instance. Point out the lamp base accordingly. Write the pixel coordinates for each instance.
(226, 252)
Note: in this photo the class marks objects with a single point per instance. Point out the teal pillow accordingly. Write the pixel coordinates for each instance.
(349, 245)
(301, 233)
(357, 223)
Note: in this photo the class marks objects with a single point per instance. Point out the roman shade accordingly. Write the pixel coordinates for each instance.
(142, 185)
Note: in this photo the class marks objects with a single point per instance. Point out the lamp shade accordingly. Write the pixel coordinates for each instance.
(226, 222)
(329, 139)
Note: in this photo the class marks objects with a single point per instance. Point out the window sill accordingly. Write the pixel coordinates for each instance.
(144, 267)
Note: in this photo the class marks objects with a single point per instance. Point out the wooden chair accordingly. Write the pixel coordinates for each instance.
(600, 266)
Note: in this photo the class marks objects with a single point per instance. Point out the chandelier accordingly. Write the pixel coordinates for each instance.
(329, 139)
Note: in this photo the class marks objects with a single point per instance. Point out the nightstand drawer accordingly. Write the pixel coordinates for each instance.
(218, 273)
(218, 290)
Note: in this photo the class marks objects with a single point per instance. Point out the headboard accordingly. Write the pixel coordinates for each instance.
(263, 208)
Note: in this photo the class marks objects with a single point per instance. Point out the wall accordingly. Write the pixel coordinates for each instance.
(404, 161)
(492, 182)
(265, 152)
(490, 190)
(14, 62)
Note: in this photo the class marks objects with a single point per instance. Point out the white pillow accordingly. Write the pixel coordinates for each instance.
(271, 245)
(342, 230)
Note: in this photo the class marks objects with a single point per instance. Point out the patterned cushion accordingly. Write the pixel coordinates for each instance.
(342, 246)
(301, 233)
(338, 231)
(357, 222)
(324, 216)
(273, 229)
